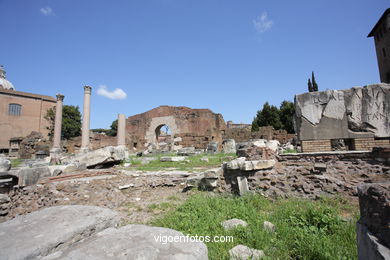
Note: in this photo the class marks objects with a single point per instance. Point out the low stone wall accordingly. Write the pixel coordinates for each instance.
(311, 175)
(358, 144)
(366, 144)
(316, 146)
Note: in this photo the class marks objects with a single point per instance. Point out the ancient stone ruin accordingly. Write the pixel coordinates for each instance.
(193, 127)
(356, 119)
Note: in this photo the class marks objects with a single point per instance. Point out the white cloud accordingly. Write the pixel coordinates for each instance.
(262, 23)
(115, 94)
(47, 11)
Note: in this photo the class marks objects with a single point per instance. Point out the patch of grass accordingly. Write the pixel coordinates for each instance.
(162, 207)
(15, 162)
(290, 151)
(191, 163)
(305, 229)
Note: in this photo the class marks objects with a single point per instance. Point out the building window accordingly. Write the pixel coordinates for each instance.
(14, 109)
(384, 52)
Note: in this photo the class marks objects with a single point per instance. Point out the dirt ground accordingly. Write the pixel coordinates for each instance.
(137, 196)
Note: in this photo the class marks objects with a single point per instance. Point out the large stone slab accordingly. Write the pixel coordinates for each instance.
(29, 176)
(257, 165)
(45, 231)
(342, 114)
(106, 155)
(136, 242)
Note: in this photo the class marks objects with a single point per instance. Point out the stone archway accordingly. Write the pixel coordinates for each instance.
(163, 133)
(157, 124)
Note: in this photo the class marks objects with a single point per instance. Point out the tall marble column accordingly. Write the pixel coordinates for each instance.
(86, 118)
(121, 130)
(58, 122)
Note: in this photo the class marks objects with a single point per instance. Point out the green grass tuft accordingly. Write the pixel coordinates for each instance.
(305, 229)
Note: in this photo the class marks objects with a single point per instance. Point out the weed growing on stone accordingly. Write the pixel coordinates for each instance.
(305, 229)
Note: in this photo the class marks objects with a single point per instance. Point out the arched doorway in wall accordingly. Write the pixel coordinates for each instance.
(163, 134)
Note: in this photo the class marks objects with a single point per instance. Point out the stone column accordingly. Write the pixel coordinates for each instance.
(58, 122)
(121, 130)
(86, 117)
(56, 149)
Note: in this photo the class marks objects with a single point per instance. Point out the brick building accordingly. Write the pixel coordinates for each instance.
(20, 114)
(381, 34)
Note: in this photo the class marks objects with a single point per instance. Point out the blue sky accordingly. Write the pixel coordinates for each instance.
(227, 55)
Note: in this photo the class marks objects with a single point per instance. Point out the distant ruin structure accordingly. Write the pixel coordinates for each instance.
(358, 118)
(193, 127)
(381, 34)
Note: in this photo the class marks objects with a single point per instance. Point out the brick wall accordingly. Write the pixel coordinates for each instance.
(366, 144)
(316, 146)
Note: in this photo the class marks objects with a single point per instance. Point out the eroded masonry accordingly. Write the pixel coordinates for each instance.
(187, 127)
(355, 119)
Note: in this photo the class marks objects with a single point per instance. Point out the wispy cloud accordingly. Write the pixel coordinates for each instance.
(47, 11)
(115, 94)
(262, 23)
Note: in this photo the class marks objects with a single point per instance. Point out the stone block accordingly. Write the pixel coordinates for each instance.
(43, 232)
(257, 165)
(243, 187)
(137, 242)
(358, 112)
(374, 202)
(229, 146)
(172, 158)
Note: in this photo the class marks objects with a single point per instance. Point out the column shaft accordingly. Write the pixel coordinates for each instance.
(58, 122)
(86, 119)
(121, 131)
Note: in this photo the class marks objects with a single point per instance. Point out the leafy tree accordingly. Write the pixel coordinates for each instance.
(309, 86)
(313, 80)
(267, 116)
(287, 111)
(71, 121)
(114, 128)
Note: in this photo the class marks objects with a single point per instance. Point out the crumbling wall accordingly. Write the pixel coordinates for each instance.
(32, 144)
(266, 132)
(195, 127)
(97, 141)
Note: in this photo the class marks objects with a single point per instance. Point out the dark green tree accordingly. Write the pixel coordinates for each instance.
(309, 86)
(313, 80)
(71, 121)
(267, 116)
(287, 111)
(114, 128)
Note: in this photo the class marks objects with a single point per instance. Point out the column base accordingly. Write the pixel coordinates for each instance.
(84, 150)
(55, 154)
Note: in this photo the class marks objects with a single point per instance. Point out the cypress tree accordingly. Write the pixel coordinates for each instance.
(309, 86)
(315, 86)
